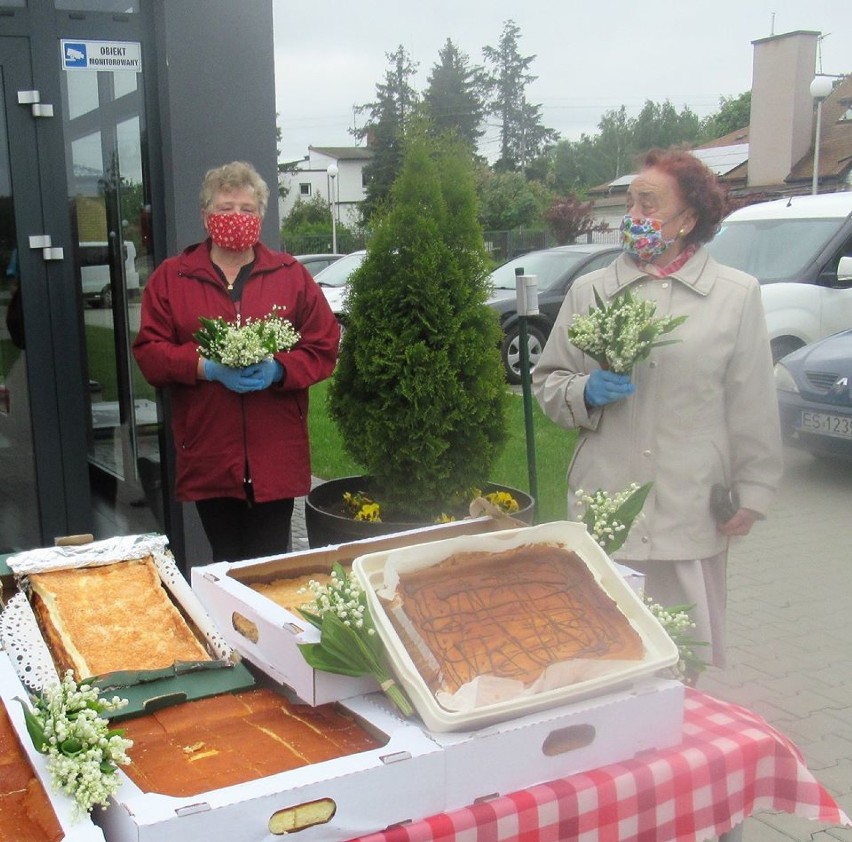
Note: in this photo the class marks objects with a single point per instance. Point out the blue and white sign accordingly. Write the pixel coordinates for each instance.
(101, 55)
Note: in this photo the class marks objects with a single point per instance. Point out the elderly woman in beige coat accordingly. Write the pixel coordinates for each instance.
(697, 412)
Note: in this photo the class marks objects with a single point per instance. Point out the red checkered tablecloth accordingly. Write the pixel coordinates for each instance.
(730, 764)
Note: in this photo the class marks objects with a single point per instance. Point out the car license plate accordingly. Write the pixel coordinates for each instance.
(825, 424)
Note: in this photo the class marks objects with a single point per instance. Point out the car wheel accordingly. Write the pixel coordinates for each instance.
(511, 350)
(783, 345)
(106, 297)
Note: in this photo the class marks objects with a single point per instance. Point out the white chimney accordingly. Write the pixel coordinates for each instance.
(782, 109)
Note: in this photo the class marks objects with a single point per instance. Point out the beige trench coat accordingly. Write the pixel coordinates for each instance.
(704, 410)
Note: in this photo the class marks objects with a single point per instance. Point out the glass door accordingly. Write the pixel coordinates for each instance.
(19, 509)
(104, 130)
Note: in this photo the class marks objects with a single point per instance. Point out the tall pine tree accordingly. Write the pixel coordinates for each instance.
(522, 133)
(387, 119)
(454, 97)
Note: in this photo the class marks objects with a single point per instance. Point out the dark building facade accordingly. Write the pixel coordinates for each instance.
(111, 111)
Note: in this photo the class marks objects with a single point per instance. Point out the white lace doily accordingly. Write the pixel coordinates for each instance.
(173, 579)
(22, 640)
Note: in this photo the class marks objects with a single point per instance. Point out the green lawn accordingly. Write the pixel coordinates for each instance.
(553, 447)
(100, 350)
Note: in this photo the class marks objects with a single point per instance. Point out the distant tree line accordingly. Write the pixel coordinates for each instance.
(537, 179)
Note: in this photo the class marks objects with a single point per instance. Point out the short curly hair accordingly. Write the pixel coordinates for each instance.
(699, 188)
(238, 175)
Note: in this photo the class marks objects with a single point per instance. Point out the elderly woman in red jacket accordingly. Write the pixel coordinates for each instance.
(241, 434)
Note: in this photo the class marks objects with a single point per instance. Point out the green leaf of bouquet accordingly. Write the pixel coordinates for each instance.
(321, 659)
(71, 747)
(666, 342)
(313, 618)
(627, 512)
(35, 728)
(345, 642)
(338, 571)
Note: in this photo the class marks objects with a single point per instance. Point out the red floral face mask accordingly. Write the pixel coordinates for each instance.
(234, 231)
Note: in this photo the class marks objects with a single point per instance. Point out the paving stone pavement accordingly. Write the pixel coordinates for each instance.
(790, 632)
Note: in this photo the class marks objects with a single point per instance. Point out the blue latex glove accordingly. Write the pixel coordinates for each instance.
(234, 379)
(604, 387)
(267, 371)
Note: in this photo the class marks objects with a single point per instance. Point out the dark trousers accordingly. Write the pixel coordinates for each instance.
(237, 530)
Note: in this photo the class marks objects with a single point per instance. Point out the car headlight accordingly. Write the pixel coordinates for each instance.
(784, 380)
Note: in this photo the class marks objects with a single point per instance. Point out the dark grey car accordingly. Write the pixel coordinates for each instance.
(555, 269)
(815, 396)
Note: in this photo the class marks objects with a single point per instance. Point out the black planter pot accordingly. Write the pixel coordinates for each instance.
(327, 525)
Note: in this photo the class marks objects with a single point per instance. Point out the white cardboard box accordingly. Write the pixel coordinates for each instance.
(561, 741)
(402, 781)
(76, 829)
(268, 635)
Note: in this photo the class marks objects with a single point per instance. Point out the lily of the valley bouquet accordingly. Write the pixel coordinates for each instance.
(83, 753)
(238, 344)
(620, 334)
(608, 519)
(349, 643)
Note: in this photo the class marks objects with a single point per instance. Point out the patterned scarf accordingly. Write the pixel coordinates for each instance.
(669, 268)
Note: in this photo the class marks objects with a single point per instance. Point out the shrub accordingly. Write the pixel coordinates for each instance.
(419, 394)
(569, 218)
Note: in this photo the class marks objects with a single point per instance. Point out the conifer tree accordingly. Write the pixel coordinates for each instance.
(419, 393)
(522, 133)
(454, 98)
(388, 117)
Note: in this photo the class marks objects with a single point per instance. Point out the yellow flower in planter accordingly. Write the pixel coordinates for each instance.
(503, 500)
(361, 507)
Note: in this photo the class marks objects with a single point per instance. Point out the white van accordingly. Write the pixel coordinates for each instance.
(94, 272)
(794, 247)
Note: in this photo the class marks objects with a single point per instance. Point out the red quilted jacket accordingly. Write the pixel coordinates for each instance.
(222, 437)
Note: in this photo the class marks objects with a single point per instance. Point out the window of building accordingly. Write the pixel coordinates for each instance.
(305, 189)
(846, 114)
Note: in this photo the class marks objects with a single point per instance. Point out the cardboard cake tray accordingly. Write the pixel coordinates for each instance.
(21, 636)
(398, 782)
(564, 740)
(660, 650)
(74, 827)
(268, 635)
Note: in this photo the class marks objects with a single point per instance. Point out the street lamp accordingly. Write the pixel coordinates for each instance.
(331, 174)
(820, 89)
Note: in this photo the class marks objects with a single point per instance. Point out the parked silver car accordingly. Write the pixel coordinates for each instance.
(334, 279)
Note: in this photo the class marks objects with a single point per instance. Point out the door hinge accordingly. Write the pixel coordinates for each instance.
(33, 99)
(48, 250)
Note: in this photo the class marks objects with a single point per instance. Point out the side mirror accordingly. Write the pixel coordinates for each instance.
(844, 270)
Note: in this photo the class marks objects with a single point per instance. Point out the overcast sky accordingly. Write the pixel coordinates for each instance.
(591, 57)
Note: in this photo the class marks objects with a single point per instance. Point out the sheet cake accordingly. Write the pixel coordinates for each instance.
(111, 617)
(509, 614)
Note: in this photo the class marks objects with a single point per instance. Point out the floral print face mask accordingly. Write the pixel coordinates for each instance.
(643, 237)
(234, 231)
